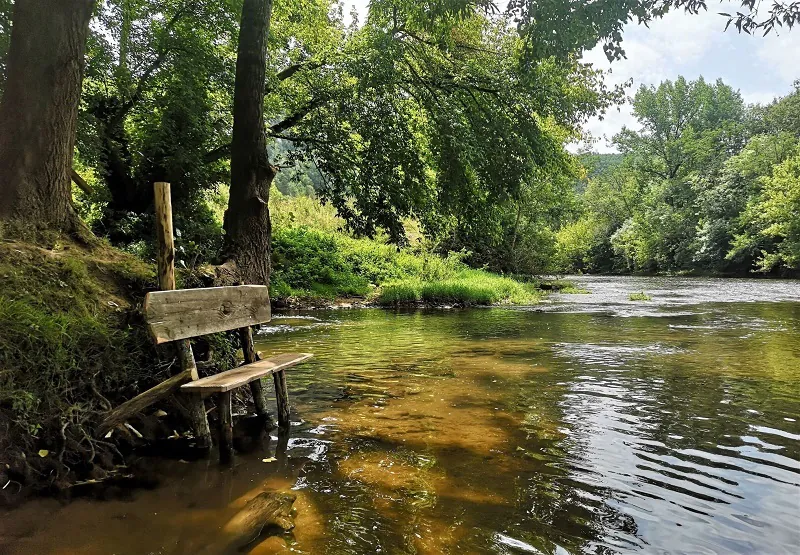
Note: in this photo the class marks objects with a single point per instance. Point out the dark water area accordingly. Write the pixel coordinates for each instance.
(587, 424)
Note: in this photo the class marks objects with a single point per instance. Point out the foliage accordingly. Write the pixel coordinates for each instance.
(641, 296)
(690, 193)
(312, 261)
(772, 228)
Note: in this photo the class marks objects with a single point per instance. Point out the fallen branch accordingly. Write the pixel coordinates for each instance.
(80, 182)
(136, 405)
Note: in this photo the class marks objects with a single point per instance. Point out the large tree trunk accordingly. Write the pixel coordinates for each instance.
(39, 110)
(247, 223)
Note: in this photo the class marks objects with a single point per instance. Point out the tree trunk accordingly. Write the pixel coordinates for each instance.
(247, 223)
(39, 110)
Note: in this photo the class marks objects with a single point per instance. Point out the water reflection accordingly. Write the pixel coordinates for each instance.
(505, 431)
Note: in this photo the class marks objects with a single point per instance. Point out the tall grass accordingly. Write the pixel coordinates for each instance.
(466, 287)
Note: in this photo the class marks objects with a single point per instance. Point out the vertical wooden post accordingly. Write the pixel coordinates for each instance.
(225, 426)
(282, 397)
(256, 387)
(166, 281)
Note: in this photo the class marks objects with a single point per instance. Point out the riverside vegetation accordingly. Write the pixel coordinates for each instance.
(73, 344)
(437, 133)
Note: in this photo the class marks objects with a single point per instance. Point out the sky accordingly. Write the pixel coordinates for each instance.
(761, 68)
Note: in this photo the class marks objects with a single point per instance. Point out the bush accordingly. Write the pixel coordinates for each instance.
(316, 261)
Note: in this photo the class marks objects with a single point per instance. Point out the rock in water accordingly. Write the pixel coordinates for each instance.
(265, 509)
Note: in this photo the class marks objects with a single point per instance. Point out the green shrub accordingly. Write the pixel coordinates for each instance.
(641, 296)
(315, 260)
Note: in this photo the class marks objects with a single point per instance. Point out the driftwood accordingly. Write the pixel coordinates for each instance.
(136, 405)
(264, 510)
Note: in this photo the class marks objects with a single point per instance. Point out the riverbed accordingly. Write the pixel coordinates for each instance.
(586, 424)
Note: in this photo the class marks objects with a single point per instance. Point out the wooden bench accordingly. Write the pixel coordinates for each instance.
(181, 314)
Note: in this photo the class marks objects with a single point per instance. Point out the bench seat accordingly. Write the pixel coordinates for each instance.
(237, 377)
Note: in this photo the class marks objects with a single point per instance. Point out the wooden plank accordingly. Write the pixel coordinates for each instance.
(141, 402)
(238, 377)
(185, 313)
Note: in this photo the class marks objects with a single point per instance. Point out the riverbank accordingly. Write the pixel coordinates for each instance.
(593, 420)
(73, 343)
(315, 267)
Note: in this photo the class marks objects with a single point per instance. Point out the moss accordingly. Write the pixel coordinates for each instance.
(71, 345)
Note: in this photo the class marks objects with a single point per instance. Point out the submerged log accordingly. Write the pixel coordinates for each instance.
(268, 509)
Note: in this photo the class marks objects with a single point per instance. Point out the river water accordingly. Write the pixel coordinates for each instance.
(587, 424)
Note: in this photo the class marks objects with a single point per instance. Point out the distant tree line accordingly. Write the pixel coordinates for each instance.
(705, 184)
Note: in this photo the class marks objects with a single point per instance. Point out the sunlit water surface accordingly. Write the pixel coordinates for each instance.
(589, 423)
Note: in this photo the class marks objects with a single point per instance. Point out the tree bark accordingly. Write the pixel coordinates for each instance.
(247, 223)
(39, 111)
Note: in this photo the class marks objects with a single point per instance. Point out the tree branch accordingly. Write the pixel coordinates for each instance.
(79, 181)
(295, 118)
(286, 73)
(219, 153)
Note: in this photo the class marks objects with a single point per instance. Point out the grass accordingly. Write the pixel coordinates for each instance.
(640, 296)
(314, 265)
(465, 288)
(314, 261)
(71, 342)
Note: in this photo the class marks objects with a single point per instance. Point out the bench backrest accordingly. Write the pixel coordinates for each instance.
(185, 313)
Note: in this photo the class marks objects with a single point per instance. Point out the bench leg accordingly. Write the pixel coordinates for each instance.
(194, 403)
(260, 399)
(256, 387)
(225, 426)
(197, 414)
(282, 398)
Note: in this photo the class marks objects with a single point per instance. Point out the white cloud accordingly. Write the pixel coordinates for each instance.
(780, 54)
(695, 45)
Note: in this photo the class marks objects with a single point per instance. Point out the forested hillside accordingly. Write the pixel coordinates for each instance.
(706, 183)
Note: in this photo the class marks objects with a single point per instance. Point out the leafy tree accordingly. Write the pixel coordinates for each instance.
(688, 129)
(156, 103)
(765, 228)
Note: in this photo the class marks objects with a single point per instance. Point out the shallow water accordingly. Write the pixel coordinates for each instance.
(587, 424)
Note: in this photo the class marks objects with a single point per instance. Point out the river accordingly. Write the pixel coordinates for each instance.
(587, 424)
